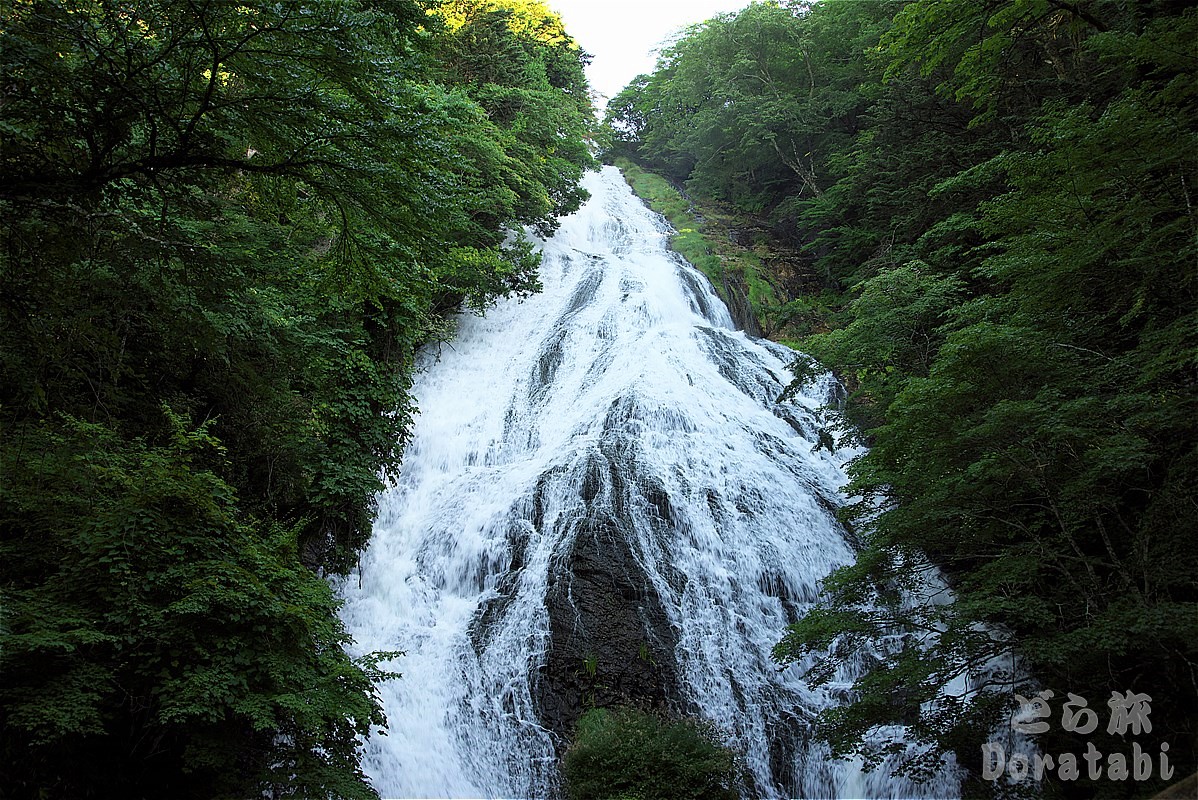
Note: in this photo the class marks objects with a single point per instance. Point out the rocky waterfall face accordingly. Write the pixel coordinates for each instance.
(602, 503)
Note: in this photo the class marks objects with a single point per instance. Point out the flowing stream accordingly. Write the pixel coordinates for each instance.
(601, 493)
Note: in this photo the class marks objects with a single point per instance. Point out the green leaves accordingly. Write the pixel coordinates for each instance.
(1003, 195)
(895, 332)
(161, 609)
(515, 60)
(625, 753)
(1015, 454)
(226, 229)
(749, 107)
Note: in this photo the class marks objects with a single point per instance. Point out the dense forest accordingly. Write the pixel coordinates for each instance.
(225, 230)
(988, 210)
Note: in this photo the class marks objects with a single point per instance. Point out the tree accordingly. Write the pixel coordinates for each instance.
(1041, 458)
(1001, 194)
(515, 59)
(155, 641)
(225, 230)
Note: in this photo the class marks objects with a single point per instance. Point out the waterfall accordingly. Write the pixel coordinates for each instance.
(602, 502)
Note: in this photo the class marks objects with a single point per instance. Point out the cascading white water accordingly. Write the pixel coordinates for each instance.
(620, 391)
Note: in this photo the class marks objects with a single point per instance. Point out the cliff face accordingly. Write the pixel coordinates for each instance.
(611, 642)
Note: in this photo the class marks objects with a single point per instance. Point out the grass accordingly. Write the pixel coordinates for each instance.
(690, 241)
(706, 246)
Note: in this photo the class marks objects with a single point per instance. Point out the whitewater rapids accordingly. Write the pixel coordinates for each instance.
(629, 361)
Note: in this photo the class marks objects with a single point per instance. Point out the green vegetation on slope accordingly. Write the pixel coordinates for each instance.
(669, 202)
(705, 238)
(224, 230)
(1002, 195)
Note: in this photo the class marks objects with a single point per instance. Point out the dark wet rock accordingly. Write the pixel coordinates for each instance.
(736, 297)
(611, 643)
(787, 733)
(587, 288)
(800, 419)
(700, 299)
(550, 359)
(738, 365)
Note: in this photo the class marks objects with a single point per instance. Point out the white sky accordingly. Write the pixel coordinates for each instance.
(621, 34)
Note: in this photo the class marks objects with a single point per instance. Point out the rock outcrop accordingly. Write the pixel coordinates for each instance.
(611, 641)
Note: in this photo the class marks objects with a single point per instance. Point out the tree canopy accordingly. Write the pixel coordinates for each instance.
(225, 229)
(1001, 195)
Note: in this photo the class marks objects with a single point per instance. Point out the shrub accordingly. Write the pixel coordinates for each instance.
(627, 754)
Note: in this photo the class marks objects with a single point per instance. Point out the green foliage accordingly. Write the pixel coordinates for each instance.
(137, 600)
(669, 202)
(1051, 430)
(515, 60)
(894, 334)
(1002, 196)
(625, 753)
(747, 106)
(224, 231)
(735, 272)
